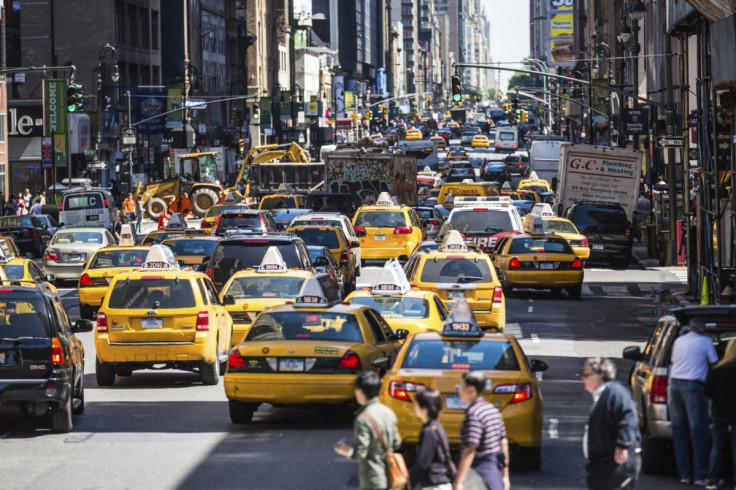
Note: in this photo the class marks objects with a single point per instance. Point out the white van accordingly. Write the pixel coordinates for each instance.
(544, 159)
(87, 207)
(507, 139)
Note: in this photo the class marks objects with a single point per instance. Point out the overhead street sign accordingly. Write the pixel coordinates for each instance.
(195, 104)
(670, 142)
(128, 136)
(97, 165)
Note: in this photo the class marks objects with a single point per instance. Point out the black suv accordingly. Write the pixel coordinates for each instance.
(607, 228)
(253, 221)
(460, 170)
(41, 360)
(237, 252)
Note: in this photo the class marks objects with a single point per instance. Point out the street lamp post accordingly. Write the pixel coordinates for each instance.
(105, 54)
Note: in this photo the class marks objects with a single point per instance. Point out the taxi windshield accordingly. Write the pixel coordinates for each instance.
(14, 272)
(152, 293)
(456, 270)
(265, 287)
(381, 219)
(561, 226)
(305, 325)
(315, 236)
(539, 244)
(192, 247)
(118, 258)
(487, 221)
(395, 307)
(461, 355)
(23, 316)
(534, 187)
(76, 237)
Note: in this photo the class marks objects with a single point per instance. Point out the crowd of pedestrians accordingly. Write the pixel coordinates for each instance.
(25, 203)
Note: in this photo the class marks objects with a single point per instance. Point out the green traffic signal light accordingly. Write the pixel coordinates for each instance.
(74, 98)
(456, 90)
(256, 115)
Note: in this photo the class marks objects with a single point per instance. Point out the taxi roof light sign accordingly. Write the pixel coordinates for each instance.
(272, 261)
(483, 201)
(126, 236)
(6, 255)
(160, 257)
(461, 322)
(453, 242)
(311, 295)
(535, 226)
(391, 280)
(533, 176)
(542, 209)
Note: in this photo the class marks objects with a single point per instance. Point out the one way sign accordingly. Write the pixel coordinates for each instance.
(670, 142)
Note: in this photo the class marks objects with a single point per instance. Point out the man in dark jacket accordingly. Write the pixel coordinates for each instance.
(612, 441)
(720, 387)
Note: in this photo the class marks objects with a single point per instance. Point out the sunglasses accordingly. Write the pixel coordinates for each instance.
(585, 375)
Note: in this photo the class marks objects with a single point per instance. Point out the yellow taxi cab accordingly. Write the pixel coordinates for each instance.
(399, 304)
(253, 290)
(438, 141)
(104, 264)
(374, 136)
(457, 153)
(159, 316)
(562, 227)
(437, 360)
(215, 211)
(155, 237)
(457, 274)
(278, 201)
(387, 230)
(413, 134)
(25, 271)
(10, 244)
(452, 125)
(466, 189)
(538, 260)
(534, 183)
(308, 352)
(481, 141)
(191, 251)
(335, 240)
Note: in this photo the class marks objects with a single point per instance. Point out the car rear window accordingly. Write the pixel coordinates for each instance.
(461, 165)
(599, 215)
(315, 236)
(278, 202)
(461, 355)
(240, 220)
(305, 325)
(383, 219)
(265, 287)
(542, 244)
(233, 256)
(15, 221)
(156, 238)
(216, 211)
(454, 269)
(22, 315)
(505, 136)
(152, 292)
(76, 238)
(561, 226)
(395, 307)
(486, 221)
(192, 247)
(91, 200)
(118, 258)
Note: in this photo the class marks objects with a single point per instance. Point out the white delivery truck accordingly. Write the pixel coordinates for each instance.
(597, 173)
(544, 159)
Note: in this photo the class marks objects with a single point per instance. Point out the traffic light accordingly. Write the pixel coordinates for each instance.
(524, 116)
(233, 114)
(74, 99)
(517, 107)
(256, 115)
(241, 146)
(456, 91)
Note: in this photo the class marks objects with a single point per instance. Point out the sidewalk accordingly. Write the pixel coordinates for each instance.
(640, 254)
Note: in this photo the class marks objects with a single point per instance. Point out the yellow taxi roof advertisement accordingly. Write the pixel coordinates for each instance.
(461, 322)
(126, 236)
(272, 261)
(160, 257)
(391, 280)
(384, 199)
(6, 255)
(453, 242)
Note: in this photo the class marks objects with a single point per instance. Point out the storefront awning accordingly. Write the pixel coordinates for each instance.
(714, 10)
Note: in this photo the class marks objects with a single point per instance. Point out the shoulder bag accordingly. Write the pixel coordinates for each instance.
(451, 468)
(396, 470)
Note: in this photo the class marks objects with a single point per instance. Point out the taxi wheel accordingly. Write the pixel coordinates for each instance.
(104, 373)
(79, 408)
(575, 291)
(241, 413)
(87, 312)
(61, 417)
(529, 458)
(556, 291)
(210, 372)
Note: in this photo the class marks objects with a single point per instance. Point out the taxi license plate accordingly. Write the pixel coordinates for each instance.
(453, 402)
(152, 323)
(291, 365)
(379, 237)
(93, 217)
(455, 294)
(546, 265)
(2, 357)
(598, 247)
(75, 257)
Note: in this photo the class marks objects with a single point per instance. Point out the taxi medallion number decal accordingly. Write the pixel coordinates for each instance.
(291, 365)
(151, 323)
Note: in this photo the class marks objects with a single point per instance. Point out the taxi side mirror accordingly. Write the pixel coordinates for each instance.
(206, 259)
(633, 353)
(401, 333)
(354, 243)
(382, 362)
(361, 233)
(228, 299)
(50, 278)
(321, 261)
(539, 365)
(82, 326)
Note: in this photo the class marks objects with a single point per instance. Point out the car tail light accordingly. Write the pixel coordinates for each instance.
(401, 389)
(658, 391)
(498, 294)
(520, 165)
(403, 230)
(50, 255)
(106, 203)
(433, 222)
(519, 392)
(584, 242)
(514, 263)
(217, 223)
(628, 235)
(344, 259)
(57, 352)
(349, 362)
(203, 321)
(209, 272)
(235, 361)
(85, 280)
(61, 206)
(204, 224)
(27, 234)
(577, 264)
(101, 322)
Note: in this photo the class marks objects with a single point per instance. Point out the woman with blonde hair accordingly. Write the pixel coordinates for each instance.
(720, 387)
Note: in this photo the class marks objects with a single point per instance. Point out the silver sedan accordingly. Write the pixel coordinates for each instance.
(70, 248)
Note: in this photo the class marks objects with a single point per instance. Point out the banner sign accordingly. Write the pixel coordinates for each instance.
(561, 32)
(338, 83)
(600, 96)
(56, 119)
(173, 102)
(349, 100)
(636, 121)
(149, 104)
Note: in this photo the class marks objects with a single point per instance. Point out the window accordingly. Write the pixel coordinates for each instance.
(154, 33)
(156, 77)
(132, 31)
(303, 325)
(375, 327)
(145, 75)
(144, 28)
(461, 355)
(143, 293)
(119, 22)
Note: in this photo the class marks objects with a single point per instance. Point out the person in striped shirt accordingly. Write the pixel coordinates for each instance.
(483, 443)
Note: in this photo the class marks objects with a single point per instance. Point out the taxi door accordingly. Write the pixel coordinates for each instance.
(383, 346)
(218, 312)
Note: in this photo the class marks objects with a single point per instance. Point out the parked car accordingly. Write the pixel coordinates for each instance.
(29, 233)
(607, 228)
(649, 377)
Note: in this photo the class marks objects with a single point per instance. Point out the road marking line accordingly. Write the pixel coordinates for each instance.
(553, 434)
(535, 338)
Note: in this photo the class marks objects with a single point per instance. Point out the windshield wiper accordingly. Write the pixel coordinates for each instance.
(496, 229)
(462, 278)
